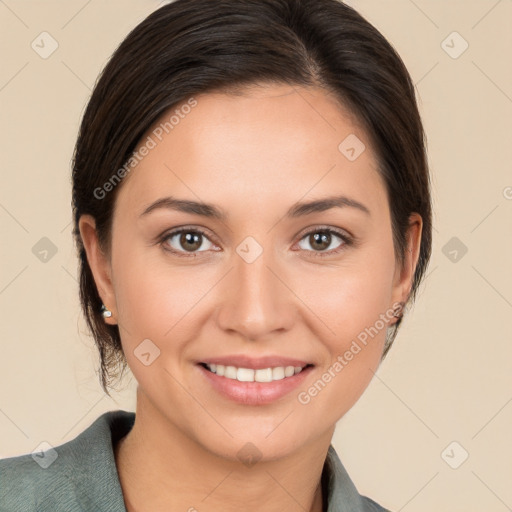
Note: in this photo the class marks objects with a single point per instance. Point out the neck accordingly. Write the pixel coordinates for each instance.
(160, 468)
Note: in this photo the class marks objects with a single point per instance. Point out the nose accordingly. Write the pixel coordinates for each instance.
(254, 299)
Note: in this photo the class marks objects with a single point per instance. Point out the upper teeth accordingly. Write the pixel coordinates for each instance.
(250, 375)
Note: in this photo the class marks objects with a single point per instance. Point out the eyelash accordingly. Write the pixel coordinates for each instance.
(347, 241)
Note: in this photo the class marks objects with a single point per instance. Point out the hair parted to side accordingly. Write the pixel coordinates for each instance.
(189, 47)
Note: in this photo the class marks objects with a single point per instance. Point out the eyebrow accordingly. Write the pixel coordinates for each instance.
(212, 211)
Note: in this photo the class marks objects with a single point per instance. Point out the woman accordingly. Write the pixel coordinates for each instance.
(252, 215)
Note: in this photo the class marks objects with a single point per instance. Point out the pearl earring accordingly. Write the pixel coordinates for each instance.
(105, 312)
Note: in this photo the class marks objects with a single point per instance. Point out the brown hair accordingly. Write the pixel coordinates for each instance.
(189, 47)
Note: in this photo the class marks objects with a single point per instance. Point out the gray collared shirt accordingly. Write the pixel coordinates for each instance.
(81, 475)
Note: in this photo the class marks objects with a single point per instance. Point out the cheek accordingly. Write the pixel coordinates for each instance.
(352, 298)
(352, 306)
(154, 298)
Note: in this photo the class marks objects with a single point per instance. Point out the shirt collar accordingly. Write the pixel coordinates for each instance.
(342, 495)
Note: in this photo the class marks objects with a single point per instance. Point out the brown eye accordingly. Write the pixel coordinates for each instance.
(322, 241)
(190, 241)
(186, 240)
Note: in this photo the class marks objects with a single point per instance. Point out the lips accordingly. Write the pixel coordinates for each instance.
(252, 392)
(254, 380)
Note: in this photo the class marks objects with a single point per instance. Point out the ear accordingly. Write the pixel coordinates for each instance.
(99, 264)
(404, 274)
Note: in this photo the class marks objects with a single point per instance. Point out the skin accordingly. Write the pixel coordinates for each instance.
(254, 156)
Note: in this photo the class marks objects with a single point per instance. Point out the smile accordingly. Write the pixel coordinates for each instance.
(250, 386)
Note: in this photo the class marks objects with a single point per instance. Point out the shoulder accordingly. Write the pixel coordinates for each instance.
(19, 483)
(69, 477)
(28, 481)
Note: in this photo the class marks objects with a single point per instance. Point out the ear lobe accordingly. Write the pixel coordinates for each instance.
(404, 274)
(99, 264)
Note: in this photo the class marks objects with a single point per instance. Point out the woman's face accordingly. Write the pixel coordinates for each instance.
(264, 280)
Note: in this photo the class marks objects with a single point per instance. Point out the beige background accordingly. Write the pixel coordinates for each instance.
(448, 377)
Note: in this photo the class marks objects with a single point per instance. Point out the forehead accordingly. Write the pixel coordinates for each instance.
(272, 144)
